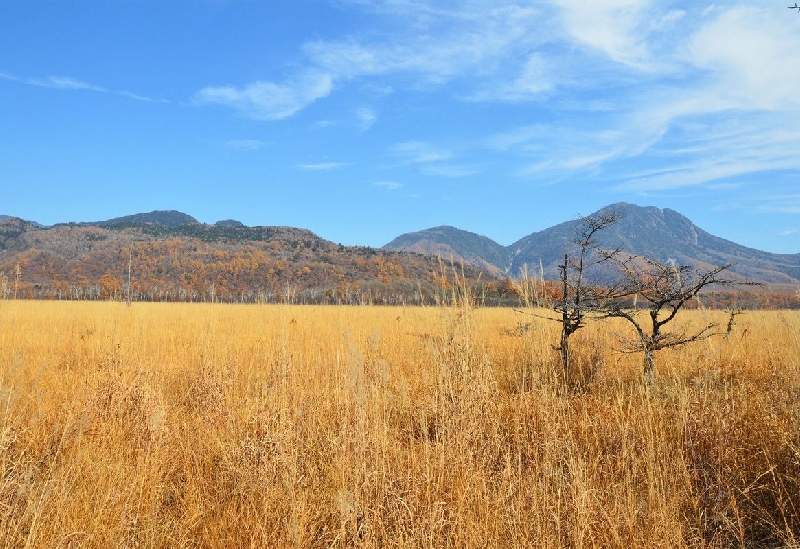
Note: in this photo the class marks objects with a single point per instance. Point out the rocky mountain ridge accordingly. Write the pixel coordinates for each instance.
(660, 234)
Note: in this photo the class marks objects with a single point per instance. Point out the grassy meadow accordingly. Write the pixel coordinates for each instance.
(177, 425)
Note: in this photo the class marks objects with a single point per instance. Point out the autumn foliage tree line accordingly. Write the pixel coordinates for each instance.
(273, 265)
(265, 265)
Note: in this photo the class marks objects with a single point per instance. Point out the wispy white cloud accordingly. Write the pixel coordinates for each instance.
(64, 83)
(614, 27)
(515, 137)
(755, 198)
(138, 97)
(322, 166)
(319, 124)
(786, 202)
(417, 152)
(724, 187)
(366, 118)
(747, 52)
(70, 83)
(451, 170)
(687, 175)
(722, 107)
(267, 100)
(436, 44)
(243, 145)
(625, 81)
(424, 44)
(536, 77)
(708, 10)
(728, 146)
(390, 185)
(787, 208)
(432, 160)
(555, 151)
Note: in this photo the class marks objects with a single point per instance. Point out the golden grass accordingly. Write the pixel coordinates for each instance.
(173, 425)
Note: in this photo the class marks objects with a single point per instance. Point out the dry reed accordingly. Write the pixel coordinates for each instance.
(167, 425)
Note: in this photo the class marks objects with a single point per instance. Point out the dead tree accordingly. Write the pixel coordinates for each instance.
(733, 312)
(130, 263)
(580, 297)
(666, 288)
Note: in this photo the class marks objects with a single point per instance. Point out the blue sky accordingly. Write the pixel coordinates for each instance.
(362, 120)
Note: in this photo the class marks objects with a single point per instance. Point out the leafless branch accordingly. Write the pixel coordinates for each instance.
(666, 287)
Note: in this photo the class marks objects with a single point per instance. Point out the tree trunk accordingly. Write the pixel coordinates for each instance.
(649, 366)
(565, 357)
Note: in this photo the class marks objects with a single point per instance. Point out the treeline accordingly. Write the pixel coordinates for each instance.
(436, 289)
(266, 264)
(270, 265)
(89, 263)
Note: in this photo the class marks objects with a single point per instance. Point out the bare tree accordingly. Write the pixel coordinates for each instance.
(733, 311)
(580, 297)
(666, 288)
(130, 263)
(17, 278)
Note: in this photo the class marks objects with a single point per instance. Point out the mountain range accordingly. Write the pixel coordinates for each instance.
(175, 256)
(170, 256)
(660, 234)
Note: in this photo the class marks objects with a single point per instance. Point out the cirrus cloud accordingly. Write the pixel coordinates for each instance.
(322, 166)
(267, 100)
(389, 185)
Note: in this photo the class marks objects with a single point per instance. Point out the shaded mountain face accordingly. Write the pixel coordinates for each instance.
(165, 218)
(11, 217)
(660, 234)
(454, 244)
(229, 223)
(11, 228)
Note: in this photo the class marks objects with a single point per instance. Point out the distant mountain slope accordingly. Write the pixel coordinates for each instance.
(199, 262)
(451, 243)
(34, 223)
(11, 228)
(660, 234)
(166, 218)
(229, 223)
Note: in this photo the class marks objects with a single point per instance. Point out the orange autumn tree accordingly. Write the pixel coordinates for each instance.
(110, 286)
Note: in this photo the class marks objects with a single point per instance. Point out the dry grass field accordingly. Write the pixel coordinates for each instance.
(173, 425)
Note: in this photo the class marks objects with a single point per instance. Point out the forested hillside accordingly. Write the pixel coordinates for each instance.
(170, 256)
(224, 262)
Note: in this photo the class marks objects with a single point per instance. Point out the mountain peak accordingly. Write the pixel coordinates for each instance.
(229, 223)
(647, 231)
(166, 218)
(449, 242)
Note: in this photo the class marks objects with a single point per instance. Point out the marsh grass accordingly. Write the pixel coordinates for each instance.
(166, 425)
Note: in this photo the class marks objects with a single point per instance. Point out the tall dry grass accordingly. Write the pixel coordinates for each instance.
(167, 425)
